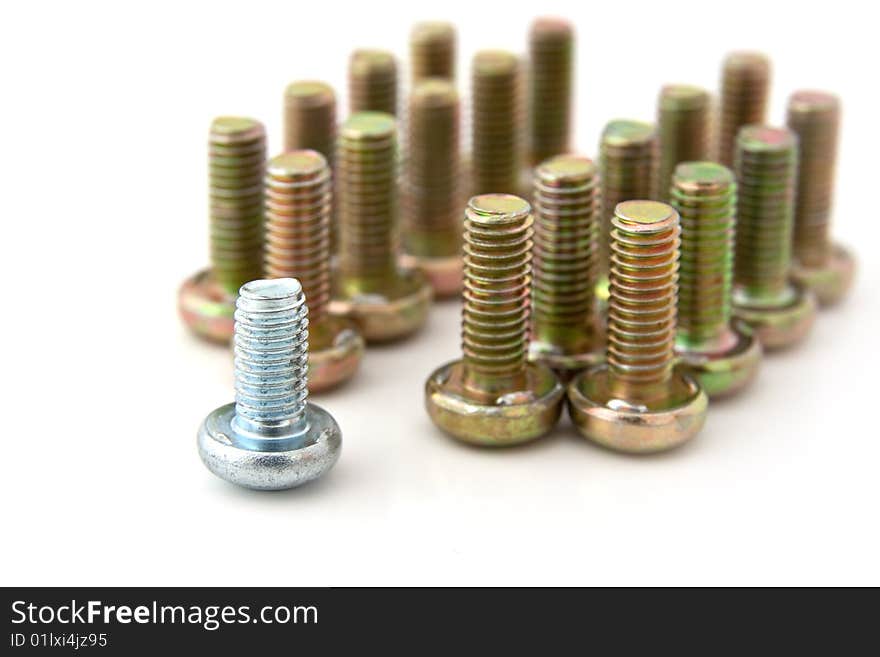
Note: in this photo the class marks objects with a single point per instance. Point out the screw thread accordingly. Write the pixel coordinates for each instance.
(642, 303)
(551, 55)
(496, 123)
(683, 130)
(704, 195)
(372, 82)
(814, 116)
(310, 118)
(432, 51)
(766, 166)
(298, 224)
(745, 85)
(237, 152)
(497, 282)
(271, 358)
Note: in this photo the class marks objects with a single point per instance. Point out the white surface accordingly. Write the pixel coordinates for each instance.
(106, 110)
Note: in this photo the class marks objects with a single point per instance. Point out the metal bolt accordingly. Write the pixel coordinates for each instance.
(683, 127)
(271, 438)
(779, 310)
(298, 246)
(372, 82)
(822, 266)
(551, 61)
(722, 356)
(638, 401)
(432, 196)
(493, 396)
(432, 51)
(386, 301)
(566, 332)
(745, 88)
(236, 157)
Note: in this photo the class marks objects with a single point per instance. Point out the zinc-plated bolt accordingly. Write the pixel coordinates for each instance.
(372, 82)
(745, 88)
(298, 246)
(432, 196)
(551, 67)
(271, 438)
(683, 129)
(722, 356)
(566, 332)
(432, 51)
(236, 157)
(779, 310)
(822, 266)
(639, 401)
(496, 124)
(386, 301)
(493, 396)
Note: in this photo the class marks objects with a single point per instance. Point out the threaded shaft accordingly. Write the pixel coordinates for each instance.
(496, 123)
(237, 152)
(372, 82)
(642, 302)
(683, 131)
(310, 118)
(814, 116)
(497, 282)
(298, 224)
(271, 358)
(565, 264)
(766, 166)
(745, 88)
(704, 195)
(432, 51)
(367, 184)
(551, 55)
(628, 166)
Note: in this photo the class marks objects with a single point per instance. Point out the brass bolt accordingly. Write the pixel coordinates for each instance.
(432, 197)
(372, 82)
(236, 157)
(683, 130)
(432, 51)
(566, 333)
(639, 401)
(493, 396)
(822, 266)
(722, 356)
(745, 88)
(298, 246)
(387, 302)
(551, 66)
(779, 310)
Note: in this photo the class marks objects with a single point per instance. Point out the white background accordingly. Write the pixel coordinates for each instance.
(105, 112)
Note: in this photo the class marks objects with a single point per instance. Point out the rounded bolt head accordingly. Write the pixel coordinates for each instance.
(727, 371)
(206, 308)
(830, 283)
(445, 275)
(336, 349)
(778, 326)
(510, 419)
(305, 459)
(633, 428)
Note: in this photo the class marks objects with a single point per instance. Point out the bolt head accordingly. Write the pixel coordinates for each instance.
(336, 349)
(726, 371)
(206, 308)
(445, 275)
(780, 325)
(831, 283)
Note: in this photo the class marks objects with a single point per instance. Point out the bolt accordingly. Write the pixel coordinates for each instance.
(745, 87)
(496, 123)
(236, 156)
(779, 310)
(298, 246)
(372, 82)
(493, 396)
(432, 193)
(820, 265)
(386, 301)
(566, 333)
(271, 437)
(432, 51)
(551, 59)
(683, 128)
(638, 401)
(722, 356)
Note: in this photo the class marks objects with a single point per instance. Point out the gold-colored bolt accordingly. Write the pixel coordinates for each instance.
(824, 267)
(683, 130)
(493, 396)
(639, 401)
(745, 89)
(551, 69)
(432, 51)
(372, 82)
